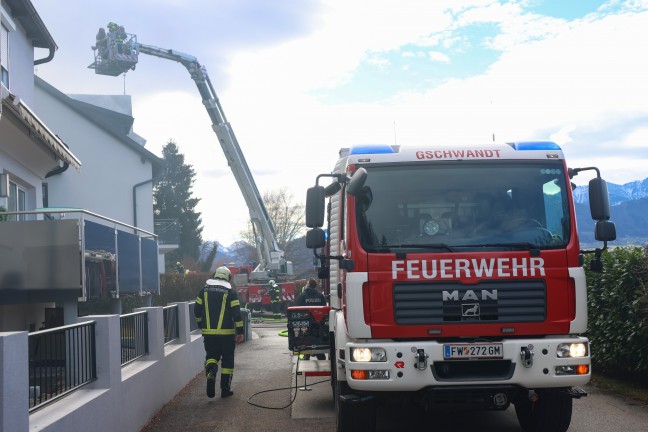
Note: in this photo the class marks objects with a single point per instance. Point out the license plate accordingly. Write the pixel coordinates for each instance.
(473, 351)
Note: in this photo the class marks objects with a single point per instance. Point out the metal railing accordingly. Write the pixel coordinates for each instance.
(171, 330)
(133, 332)
(193, 325)
(60, 360)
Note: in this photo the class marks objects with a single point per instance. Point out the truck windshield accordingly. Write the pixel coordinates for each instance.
(464, 206)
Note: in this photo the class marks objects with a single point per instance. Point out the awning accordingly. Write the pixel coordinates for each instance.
(13, 103)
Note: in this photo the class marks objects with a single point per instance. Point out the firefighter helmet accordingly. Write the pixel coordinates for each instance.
(223, 273)
(272, 282)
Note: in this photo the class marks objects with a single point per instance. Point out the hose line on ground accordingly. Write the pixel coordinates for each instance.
(283, 388)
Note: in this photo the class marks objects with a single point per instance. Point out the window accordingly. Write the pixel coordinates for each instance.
(464, 205)
(4, 54)
(17, 200)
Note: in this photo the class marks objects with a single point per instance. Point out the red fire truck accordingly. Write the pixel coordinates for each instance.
(456, 280)
(254, 294)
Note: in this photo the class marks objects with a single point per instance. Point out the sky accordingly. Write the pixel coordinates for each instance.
(300, 79)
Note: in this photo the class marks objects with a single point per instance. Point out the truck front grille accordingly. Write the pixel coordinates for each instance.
(455, 303)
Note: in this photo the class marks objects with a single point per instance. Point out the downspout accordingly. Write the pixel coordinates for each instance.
(49, 41)
(46, 59)
(58, 170)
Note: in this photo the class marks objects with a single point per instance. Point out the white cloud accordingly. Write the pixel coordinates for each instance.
(438, 57)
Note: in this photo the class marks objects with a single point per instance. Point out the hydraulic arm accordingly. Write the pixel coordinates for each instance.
(121, 54)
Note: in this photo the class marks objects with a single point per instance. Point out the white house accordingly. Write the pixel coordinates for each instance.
(29, 150)
(44, 135)
(118, 172)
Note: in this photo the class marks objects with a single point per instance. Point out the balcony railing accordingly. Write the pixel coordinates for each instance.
(133, 331)
(60, 360)
(167, 230)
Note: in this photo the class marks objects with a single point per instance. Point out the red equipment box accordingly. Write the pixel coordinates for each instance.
(308, 328)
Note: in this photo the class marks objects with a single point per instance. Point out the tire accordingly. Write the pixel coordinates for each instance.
(353, 417)
(551, 413)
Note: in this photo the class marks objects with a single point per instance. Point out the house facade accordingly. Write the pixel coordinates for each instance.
(90, 222)
(118, 172)
(29, 150)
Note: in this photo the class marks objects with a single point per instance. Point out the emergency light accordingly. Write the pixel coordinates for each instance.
(535, 145)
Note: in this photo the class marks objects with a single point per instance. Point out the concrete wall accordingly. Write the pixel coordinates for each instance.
(122, 398)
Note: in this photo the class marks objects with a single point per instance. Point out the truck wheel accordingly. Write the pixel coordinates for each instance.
(552, 412)
(353, 417)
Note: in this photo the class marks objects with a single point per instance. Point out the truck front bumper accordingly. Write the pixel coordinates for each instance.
(416, 365)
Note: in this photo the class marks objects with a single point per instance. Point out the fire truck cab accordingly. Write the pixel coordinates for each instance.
(456, 279)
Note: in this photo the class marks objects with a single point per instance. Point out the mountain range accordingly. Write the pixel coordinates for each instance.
(628, 210)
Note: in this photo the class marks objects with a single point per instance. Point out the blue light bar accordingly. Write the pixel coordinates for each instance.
(535, 145)
(371, 149)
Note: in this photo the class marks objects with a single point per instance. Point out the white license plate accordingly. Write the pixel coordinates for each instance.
(473, 351)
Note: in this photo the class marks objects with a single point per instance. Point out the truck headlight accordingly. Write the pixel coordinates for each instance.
(565, 350)
(368, 354)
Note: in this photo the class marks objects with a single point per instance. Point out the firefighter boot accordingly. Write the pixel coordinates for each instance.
(226, 384)
(212, 369)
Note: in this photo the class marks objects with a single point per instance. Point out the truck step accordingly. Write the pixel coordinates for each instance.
(576, 392)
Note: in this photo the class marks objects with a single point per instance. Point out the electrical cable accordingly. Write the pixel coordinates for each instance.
(249, 401)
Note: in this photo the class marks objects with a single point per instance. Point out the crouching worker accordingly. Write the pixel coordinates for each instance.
(218, 314)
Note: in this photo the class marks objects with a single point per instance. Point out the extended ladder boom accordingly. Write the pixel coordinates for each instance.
(116, 60)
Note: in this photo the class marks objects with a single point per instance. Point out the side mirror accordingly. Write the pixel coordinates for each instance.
(599, 199)
(315, 238)
(357, 182)
(315, 207)
(605, 230)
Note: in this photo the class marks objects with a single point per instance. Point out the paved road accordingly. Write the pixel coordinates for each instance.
(265, 399)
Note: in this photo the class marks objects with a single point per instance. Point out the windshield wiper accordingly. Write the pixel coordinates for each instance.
(419, 246)
(519, 245)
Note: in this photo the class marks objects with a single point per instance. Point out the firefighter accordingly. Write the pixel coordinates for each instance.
(274, 291)
(101, 43)
(218, 313)
(180, 268)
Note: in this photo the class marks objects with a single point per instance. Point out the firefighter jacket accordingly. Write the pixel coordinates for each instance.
(218, 310)
(275, 293)
(311, 297)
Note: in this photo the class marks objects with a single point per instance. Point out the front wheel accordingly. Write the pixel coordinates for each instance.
(353, 417)
(550, 413)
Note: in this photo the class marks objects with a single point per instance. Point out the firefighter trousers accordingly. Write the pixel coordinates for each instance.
(220, 349)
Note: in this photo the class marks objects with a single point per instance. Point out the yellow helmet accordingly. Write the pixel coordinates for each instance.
(223, 273)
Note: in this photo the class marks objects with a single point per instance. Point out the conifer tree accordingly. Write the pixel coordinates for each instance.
(173, 200)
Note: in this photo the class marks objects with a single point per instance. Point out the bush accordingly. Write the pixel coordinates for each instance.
(618, 312)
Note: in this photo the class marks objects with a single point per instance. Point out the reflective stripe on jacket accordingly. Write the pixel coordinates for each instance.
(218, 310)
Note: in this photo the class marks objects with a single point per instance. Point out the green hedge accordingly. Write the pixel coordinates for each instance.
(174, 287)
(618, 313)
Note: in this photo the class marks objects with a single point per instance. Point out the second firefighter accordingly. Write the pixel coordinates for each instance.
(218, 314)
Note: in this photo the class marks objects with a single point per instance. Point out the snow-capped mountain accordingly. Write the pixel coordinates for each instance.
(618, 193)
(629, 211)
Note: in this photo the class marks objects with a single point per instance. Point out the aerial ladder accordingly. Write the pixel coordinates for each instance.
(116, 52)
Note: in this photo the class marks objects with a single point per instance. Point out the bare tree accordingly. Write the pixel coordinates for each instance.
(287, 217)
